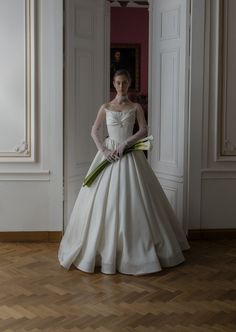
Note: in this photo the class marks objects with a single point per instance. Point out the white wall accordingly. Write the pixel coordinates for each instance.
(31, 147)
(31, 111)
(212, 182)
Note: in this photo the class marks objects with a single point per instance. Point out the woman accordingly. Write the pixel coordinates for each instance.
(123, 221)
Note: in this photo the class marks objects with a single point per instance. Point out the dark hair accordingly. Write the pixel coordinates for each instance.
(123, 72)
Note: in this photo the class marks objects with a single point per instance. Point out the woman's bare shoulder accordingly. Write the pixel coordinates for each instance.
(103, 108)
(137, 106)
(106, 105)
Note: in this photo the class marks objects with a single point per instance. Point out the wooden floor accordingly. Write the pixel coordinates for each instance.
(199, 295)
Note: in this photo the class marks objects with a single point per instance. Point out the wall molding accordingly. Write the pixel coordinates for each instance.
(170, 116)
(226, 148)
(24, 150)
(41, 236)
(218, 174)
(43, 175)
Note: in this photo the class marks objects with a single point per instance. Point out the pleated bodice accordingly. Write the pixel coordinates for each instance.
(120, 124)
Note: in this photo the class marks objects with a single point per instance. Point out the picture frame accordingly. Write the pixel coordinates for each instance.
(126, 56)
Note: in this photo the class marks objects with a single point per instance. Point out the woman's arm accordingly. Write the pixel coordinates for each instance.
(95, 133)
(143, 128)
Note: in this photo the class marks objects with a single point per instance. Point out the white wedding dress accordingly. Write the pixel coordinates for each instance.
(123, 221)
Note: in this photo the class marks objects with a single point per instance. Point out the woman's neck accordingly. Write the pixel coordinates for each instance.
(121, 98)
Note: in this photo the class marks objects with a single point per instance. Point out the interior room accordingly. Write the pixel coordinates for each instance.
(58, 61)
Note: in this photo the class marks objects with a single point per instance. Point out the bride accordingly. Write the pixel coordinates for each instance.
(122, 222)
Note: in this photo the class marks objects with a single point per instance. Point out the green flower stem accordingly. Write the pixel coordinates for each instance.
(142, 144)
(92, 176)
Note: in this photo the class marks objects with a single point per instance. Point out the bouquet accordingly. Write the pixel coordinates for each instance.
(141, 144)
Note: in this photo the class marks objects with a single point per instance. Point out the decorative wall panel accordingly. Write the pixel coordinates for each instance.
(31, 188)
(169, 107)
(83, 68)
(218, 207)
(84, 23)
(170, 24)
(226, 80)
(17, 19)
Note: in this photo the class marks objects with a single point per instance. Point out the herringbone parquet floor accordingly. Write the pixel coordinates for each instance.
(199, 295)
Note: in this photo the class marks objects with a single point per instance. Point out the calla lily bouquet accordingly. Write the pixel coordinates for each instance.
(141, 144)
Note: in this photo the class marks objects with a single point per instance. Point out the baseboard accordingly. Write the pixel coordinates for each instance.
(193, 234)
(211, 234)
(30, 236)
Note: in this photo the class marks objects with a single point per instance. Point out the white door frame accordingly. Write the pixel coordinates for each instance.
(188, 96)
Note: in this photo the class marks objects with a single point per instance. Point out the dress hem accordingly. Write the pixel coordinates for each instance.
(132, 269)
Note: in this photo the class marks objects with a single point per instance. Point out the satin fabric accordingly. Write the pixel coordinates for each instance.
(123, 222)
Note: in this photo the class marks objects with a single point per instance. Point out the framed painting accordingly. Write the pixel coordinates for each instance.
(126, 56)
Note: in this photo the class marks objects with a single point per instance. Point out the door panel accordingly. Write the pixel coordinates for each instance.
(85, 89)
(168, 92)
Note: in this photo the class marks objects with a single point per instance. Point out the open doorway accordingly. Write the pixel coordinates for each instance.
(129, 32)
(87, 73)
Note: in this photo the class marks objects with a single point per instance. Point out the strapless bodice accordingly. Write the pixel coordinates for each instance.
(120, 124)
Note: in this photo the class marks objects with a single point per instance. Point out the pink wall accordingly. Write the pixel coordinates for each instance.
(130, 25)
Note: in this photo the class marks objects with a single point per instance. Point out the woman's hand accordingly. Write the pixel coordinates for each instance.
(119, 151)
(110, 155)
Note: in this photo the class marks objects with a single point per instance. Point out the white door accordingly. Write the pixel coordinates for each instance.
(86, 72)
(168, 92)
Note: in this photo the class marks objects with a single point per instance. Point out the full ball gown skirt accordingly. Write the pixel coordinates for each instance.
(123, 221)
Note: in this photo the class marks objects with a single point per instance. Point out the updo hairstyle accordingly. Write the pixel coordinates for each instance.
(122, 72)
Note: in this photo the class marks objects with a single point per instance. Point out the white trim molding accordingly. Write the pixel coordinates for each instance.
(129, 4)
(218, 174)
(40, 175)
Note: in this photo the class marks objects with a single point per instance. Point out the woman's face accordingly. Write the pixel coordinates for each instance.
(121, 84)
